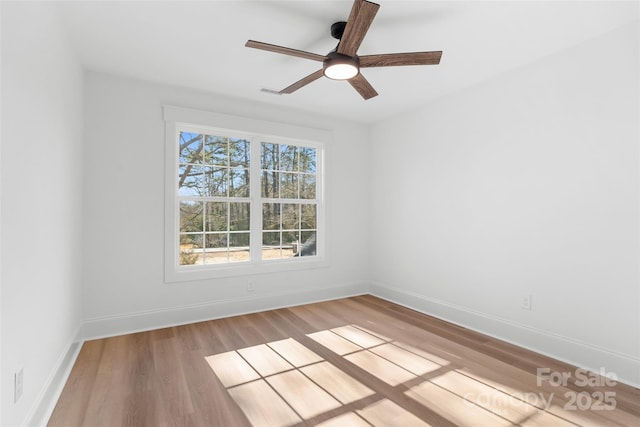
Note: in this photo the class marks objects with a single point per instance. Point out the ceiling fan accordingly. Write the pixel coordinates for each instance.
(343, 63)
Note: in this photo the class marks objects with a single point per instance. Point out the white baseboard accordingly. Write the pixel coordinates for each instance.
(143, 321)
(46, 400)
(580, 354)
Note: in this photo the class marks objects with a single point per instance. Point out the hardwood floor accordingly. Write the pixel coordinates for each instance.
(350, 362)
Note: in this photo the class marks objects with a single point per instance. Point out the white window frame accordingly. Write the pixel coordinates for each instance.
(252, 130)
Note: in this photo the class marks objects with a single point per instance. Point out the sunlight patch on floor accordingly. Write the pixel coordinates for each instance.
(425, 355)
(262, 405)
(384, 370)
(304, 396)
(334, 342)
(231, 368)
(409, 361)
(452, 407)
(375, 334)
(284, 382)
(545, 419)
(358, 336)
(342, 386)
(511, 407)
(264, 360)
(346, 420)
(294, 352)
(387, 413)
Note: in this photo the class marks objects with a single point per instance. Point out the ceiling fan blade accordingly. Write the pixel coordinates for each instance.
(360, 18)
(397, 59)
(284, 50)
(363, 86)
(303, 82)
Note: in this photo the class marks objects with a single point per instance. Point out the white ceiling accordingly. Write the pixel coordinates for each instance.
(200, 45)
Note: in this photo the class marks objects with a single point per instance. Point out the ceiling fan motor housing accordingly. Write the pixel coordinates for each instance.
(337, 29)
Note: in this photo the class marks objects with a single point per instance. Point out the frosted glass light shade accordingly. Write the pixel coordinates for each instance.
(341, 71)
(340, 67)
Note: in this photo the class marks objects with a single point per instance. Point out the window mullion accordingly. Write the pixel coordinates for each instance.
(255, 236)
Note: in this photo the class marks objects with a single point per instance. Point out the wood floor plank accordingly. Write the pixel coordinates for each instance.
(79, 385)
(355, 361)
(214, 406)
(171, 381)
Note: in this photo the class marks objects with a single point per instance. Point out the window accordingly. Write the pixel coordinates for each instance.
(213, 197)
(289, 204)
(240, 202)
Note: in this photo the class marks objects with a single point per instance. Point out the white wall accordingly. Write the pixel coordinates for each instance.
(124, 205)
(41, 203)
(524, 184)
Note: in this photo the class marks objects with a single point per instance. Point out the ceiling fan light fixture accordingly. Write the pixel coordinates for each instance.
(343, 63)
(340, 67)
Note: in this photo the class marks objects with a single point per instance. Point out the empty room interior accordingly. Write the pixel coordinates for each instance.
(332, 213)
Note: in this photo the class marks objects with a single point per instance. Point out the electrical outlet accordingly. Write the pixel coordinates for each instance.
(18, 385)
(526, 302)
(250, 287)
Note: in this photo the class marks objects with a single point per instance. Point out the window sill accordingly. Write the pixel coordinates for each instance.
(186, 274)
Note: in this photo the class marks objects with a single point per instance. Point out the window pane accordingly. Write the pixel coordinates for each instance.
(289, 242)
(216, 240)
(239, 182)
(269, 154)
(215, 180)
(307, 159)
(191, 219)
(190, 249)
(271, 245)
(271, 239)
(307, 186)
(238, 247)
(288, 185)
(290, 216)
(215, 150)
(239, 216)
(308, 217)
(308, 247)
(190, 181)
(288, 158)
(238, 240)
(196, 240)
(270, 184)
(239, 153)
(216, 216)
(190, 148)
(216, 248)
(270, 216)
(189, 258)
